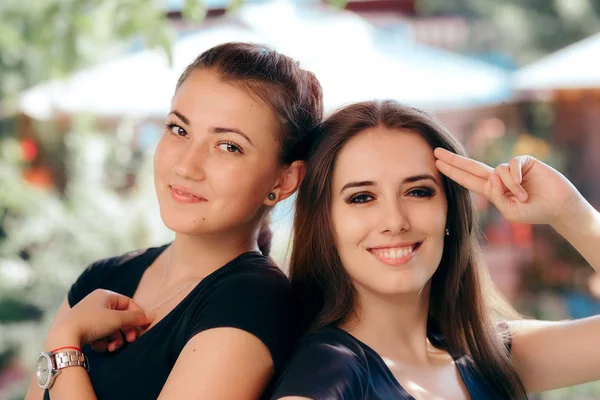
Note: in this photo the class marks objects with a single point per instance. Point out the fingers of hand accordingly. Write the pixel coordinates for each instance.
(515, 169)
(131, 319)
(100, 345)
(120, 302)
(132, 315)
(494, 191)
(469, 165)
(131, 334)
(509, 175)
(463, 178)
(115, 340)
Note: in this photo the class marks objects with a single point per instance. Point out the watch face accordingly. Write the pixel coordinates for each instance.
(42, 371)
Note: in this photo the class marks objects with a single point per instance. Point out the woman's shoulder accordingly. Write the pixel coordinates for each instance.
(109, 264)
(107, 272)
(246, 286)
(333, 336)
(334, 346)
(249, 272)
(251, 294)
(328, 363)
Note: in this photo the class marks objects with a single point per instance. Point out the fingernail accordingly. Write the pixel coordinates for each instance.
(495, 181)
(522, 195)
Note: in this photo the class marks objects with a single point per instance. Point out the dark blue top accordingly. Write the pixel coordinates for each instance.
(331, 364)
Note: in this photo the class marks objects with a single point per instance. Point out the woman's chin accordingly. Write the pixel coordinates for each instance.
(184, 226)
(390, 288)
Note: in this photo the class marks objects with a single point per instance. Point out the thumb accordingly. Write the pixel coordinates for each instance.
(495, 193)
(133, 318)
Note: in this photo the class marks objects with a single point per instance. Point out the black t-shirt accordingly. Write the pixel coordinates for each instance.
(331, 364)
(248, 293)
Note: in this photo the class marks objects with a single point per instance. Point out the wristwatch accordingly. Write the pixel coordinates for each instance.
(49, 365)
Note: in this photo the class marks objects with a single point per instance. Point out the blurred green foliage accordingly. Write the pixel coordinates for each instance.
(40, 40)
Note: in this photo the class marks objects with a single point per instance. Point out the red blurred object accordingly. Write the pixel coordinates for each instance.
(522, 234)
(39, 176)
(29, 150)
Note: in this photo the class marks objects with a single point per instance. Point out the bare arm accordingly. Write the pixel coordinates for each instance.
(551, 355)
(35, 392)
(581, 228)
(73, 384)
(220, 363)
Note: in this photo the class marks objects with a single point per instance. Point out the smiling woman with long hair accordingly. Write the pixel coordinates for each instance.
(389, 274)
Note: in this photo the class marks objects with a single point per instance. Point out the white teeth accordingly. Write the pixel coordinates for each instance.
(183, 194)
(391, 254)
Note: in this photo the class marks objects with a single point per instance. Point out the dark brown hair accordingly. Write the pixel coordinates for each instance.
(458, 307)
(293, 94)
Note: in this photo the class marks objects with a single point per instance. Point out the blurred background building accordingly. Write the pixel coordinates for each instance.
(85, 86)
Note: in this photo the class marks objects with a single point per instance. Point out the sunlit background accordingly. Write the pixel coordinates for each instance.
(85, 86)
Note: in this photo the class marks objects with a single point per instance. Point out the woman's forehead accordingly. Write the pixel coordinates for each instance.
(381, 149)
(205, 98)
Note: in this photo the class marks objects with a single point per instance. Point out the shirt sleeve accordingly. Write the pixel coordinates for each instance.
(256, 300)
(324, 370)
(101, 274)
(89, 280)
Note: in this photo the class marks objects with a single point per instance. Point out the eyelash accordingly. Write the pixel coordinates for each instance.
(355, 198)
(362, 198)
(238, 149)
(170, 125)
(429, 192)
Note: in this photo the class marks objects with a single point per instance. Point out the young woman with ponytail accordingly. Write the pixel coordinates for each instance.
(207, 316)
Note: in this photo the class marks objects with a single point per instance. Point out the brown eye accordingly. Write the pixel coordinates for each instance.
(360, 198)
(230, 147)
(175, 129)
(421, 192)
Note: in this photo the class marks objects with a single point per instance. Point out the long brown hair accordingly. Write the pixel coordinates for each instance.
(458, 306)
(293, 94)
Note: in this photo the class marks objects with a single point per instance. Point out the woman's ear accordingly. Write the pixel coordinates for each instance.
(288, 182)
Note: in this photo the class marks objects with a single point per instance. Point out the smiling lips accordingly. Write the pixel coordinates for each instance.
(183, 195)
(395, 255)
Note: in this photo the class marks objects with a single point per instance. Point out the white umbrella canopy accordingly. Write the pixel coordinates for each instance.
(352, 60)
(139, 84)
(356, 62)
(574, 67)
(414, 75)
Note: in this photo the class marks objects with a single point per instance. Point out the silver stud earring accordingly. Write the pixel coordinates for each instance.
(447, 232)
(272, 196)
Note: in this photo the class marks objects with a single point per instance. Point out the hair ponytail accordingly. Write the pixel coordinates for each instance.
(264, 236)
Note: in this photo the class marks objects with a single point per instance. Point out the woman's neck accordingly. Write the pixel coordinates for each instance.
(394, 326)
(197, 256)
